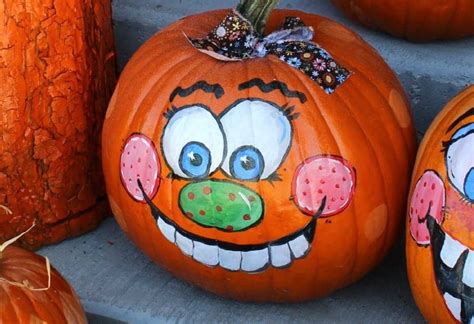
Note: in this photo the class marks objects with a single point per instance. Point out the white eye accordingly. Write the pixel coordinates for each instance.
(258, 138)
(460, 161)
(193, 143)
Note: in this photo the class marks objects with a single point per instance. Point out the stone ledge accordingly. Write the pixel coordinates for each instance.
(115, 280)
(431, 73)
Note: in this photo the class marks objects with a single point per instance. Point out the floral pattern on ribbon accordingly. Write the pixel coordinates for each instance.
(235, 39)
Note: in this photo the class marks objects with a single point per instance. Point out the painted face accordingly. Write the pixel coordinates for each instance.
(226, 163)
(442, 218)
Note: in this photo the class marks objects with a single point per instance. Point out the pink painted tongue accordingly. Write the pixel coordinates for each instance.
(139, 161)
(324, 176)
(428, 200)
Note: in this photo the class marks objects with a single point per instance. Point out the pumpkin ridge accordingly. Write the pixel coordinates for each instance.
(394, 118)
(387, 235)
(371, 148)
(315, 98)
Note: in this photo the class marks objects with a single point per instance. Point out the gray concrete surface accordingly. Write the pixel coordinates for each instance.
(115, 280)
(431, 73)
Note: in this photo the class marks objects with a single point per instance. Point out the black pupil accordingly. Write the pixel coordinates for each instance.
(248, 163)
(196, 160)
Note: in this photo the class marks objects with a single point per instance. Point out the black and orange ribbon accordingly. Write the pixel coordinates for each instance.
(235, 39)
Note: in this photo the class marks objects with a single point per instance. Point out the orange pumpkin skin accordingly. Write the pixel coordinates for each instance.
(58, 304)
(419, 21)
(366, 122)
(58, 71)
(455, 210)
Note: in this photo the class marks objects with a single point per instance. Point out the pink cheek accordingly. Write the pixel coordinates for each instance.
(428, 200)
(329, 177)
(139, 161)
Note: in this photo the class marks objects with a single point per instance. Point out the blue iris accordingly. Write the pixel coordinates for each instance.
(246, 163)
(469, 185)
(195, 160)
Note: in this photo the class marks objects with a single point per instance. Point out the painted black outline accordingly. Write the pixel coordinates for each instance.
(308, 230)
(208, 167)
(232, 160)
(283, 110)
(346, 163)
(120, 165)
(217, 119)
(194, 181)
(271, 86)
(427, 216)
(216, 89)
(459, 120)
(446, 148)
(447, 279)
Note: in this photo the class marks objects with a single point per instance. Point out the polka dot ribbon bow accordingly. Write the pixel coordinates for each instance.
(235, 39)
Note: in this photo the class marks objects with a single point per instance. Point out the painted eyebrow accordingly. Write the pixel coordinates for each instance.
(271, 86)
(468, 113)
(200, 85)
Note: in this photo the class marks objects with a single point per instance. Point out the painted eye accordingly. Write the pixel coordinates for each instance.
(193, 142)
(258, 135)
(460, 161)
(195, 160)
(246, 163)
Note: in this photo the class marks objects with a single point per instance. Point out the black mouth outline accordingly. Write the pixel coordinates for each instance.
(450, 280)
(308, 230)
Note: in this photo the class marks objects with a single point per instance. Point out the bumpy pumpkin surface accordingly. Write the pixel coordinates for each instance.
(421, 20)
(58, 304)
(57, 73)
(440, 223)
(219, 170)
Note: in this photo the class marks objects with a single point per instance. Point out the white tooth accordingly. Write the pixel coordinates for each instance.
(254, 260)
(230, 260)
(451, 251)
(299, 246)
(454, 305)
(167, 230)
(468, 272)
(280, 255)
(185, 244)
(206, 254)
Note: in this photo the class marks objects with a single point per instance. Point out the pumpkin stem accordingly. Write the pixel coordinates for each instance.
(257, 12)
(25, 284)
(14, 239)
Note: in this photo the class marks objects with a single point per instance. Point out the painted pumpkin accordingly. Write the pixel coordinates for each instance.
(57, 73)
(421, 20)
(245, 177)
(33, 292)
(440, 226)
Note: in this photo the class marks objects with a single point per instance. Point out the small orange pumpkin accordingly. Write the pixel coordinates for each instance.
(440, 223)
(33, 292)
(57, 72)
(420, 20)
(219, 170)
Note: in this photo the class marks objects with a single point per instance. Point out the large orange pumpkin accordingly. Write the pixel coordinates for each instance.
(33, 292)
(420, 20)
(57, 73)
(440, 223)
(219, 170)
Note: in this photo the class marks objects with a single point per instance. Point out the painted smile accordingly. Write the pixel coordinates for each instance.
(454, 272)
(250, 258)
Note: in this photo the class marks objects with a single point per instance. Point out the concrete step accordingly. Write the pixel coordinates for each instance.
(431, 73)
(117, 282)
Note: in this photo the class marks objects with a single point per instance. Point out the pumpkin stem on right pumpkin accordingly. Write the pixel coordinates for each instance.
(257, 12)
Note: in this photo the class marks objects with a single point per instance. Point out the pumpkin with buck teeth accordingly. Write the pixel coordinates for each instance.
(440, 238)
(245, 177)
